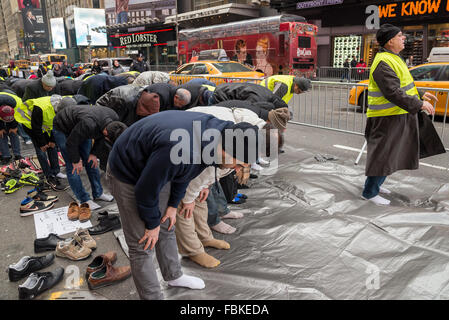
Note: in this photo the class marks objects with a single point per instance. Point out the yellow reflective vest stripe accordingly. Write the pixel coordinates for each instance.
(378, 105)
(270, 83)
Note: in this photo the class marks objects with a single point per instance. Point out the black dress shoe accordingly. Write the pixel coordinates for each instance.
(47, 244)
(27, 265)
(253, 176)
(39, 282)
(107, 223)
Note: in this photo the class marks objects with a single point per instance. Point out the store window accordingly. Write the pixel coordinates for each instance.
(438, 36)
(346, 47)
(414, 37)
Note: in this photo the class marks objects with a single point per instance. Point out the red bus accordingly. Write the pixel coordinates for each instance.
(284, 44)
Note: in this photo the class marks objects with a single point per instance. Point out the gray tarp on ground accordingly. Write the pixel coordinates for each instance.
(307, 234)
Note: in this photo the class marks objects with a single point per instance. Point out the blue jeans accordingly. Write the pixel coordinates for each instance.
(74, 179)
(122, 17)
(216, 204)
(22, 133)
(372, 186)
(15, 144)
(49, 170)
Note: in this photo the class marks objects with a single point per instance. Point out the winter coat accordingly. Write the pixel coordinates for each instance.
(141, 157)
(166, 94)
(68, 87)
(117, 70)
(141, 66)
(98, 85)
(123, 100)
(196, 91)
(20, 86)
(66, 71)
(149, 77)
(35, 90)
(261, 109)
(248, 92)
(96, 69)
(80, 123)
(393, 141)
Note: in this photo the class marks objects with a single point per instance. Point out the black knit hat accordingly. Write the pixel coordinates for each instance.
(243, 141)
(386, 33)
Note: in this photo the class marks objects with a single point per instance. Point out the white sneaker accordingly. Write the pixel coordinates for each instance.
(93, 205)
(61, 175)
(264, 162)
(384, 190)
(105, 197)
(378, 200)
(29, 142)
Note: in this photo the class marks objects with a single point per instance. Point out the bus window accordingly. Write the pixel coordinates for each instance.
(281, 45)
(304, 42)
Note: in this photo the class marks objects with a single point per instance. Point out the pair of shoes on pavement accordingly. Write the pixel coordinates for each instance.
(55, 183)
(79, 247)
(29, 206)
(378, 200)
(101, 272)
(37, 282)
(79, 212)
(107, 222)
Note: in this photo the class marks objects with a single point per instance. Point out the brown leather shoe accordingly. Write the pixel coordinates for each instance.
(74, 211)
(84, 212)
(100, 261)
(108, 275)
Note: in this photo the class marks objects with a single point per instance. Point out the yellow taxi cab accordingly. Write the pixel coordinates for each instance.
(215, 71)
(430, 75)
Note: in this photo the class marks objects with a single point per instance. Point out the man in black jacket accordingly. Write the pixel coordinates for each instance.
(96, 86)
(171, 97)
(74, 128)
(245, 91)
(131, 103)
(139, 65)
(41, 88)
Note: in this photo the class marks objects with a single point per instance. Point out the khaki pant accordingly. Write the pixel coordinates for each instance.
(191, 233)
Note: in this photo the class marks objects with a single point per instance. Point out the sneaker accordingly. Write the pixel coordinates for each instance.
(39, 282)
(61, 160)
(34, 165)
(237, 200)
(85, 238)
(72, 249)
(61, 175)
(30, 179)
(28, 142)
(38, 195)
(256, 167)
(85, 212)
(12, 185)
(29, 207)
(55, 184)
(27, 265)
(378, 200)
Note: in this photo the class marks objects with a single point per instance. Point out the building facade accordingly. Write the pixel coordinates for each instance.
(11, 31)
(343, 31)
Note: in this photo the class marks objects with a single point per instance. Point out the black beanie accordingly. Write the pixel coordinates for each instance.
(386, 32)
(244, 146)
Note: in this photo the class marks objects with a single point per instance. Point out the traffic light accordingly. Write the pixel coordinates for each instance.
(21, 33)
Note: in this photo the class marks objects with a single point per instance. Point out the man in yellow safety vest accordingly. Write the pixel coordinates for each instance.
(392, 131)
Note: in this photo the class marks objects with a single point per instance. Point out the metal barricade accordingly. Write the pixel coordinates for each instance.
(182, 78)
(342, 74)
(342, 107)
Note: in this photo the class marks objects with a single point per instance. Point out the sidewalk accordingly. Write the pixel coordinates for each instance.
(306, 234)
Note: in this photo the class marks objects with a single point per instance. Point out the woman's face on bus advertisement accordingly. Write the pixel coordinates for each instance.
(242, 51)
(260, 53)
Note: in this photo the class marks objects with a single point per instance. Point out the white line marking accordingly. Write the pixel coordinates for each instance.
(358, 150)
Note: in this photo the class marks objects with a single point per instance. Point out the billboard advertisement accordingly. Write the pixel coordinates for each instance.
(33, 22)
(58, 33)
(85, 20)
(28, 4)
(123, 11)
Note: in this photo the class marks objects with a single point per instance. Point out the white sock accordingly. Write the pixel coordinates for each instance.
(255, 166)
(263, 162)
(188, 282)
(233, 215)
(93, 205)
(223, 228)
(61, 175)
(378, 200)
(106, 197)
(384, 190)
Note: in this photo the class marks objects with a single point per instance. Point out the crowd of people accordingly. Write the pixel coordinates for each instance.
(122, 124)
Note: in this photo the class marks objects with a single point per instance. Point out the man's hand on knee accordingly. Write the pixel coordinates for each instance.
(151, 237)
(170, 213)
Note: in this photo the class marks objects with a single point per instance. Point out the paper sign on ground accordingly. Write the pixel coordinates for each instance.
(56, 221)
